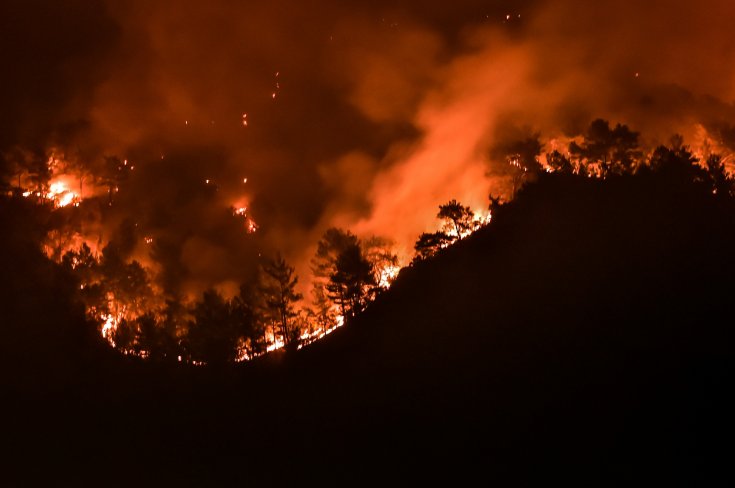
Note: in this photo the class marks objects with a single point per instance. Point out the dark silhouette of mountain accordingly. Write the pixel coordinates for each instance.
(585, 335)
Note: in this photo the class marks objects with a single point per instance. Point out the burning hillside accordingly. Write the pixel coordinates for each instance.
(183, 151)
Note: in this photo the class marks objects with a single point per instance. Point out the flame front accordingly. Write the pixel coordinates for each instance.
(60, 193)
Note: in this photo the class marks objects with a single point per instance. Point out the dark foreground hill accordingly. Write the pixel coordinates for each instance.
(586, 334)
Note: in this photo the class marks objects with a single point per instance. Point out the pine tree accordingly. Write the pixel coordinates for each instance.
(280, 296)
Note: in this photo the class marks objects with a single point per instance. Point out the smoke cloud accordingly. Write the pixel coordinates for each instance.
(316, 114)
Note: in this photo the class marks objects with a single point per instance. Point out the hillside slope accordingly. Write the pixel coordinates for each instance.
(589, 326)
(585, 334)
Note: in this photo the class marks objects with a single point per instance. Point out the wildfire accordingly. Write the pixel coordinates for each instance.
(307, 337)
(388, 275)
(109, 326)
(59, 192)
(61, 195)
(274, 343)
(242, 211)
(116, 312)
(482, 217)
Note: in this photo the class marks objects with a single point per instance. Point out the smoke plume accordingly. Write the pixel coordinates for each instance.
(315, 114)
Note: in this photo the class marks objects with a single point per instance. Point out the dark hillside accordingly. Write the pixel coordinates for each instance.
(586, 334)
(589, 326)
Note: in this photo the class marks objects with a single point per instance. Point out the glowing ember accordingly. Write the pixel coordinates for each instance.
(242, 211)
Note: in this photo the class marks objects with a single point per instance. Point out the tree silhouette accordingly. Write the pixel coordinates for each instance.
(613, 151)
(559, 162)
(324, 263)
(82, 262)
(378, 252)
(212, 335)
(429, 243)
(126, 284)
(321, 312)
(495, 204)
(458, 219)
(247, 320)
(722, 183)
(457, 222)
(111, 173)
(148, 336)
(332, 243)
(157, 339)
(521, 158)
(91, 289)
(124, 335)
(677, 164)
(19, 165)
(280, 296)
(351, 281)
(171, 330)
(39, 173)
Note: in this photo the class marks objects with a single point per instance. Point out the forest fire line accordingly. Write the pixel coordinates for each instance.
(241, 234)
(61, 194)
(120, 285)
(58, 193)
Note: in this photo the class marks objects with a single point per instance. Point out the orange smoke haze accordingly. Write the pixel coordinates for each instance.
(365, 116)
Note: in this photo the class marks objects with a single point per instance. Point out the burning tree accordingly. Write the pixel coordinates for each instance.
(279, 296)
(351, 281)
(429, 243)
(559, 162)
(321, 313)
(520, 154)
(248, 320)
(115, 292)
(378, 252)
(39, 173)
(612, 151)
(345, 271)
(458, 221)
(127, 284)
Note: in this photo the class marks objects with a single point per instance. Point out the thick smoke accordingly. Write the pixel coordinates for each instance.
(657, 67)
(316, 114)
